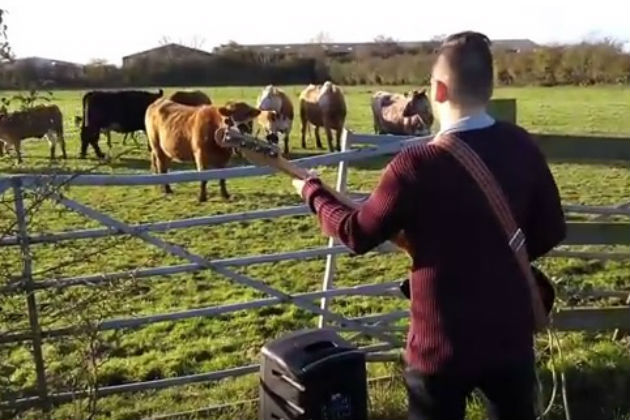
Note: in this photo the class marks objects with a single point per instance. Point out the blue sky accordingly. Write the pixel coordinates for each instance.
(84, 29)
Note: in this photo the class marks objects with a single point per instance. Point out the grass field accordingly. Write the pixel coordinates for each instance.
(598, 368)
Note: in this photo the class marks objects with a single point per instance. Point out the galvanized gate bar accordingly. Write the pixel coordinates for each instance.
(31, 181)
(329, 271)
(239, 278)
(27, 279)
(167, 382)
(164, 226)
(377, 289)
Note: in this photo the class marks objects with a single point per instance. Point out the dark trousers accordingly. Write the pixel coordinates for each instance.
(509, 392)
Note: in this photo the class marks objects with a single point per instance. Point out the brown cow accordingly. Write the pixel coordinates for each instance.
(186, 133)
(323, 106)
(36, 122)
(408, 114)
(275, 99)
(191, 97)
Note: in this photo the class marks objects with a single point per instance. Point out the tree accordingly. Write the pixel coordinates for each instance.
(386, 46)
(5, 49)
(98, 62)
(195, 42)
(321, 37)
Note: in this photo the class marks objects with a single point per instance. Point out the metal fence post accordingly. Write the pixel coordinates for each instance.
(342, 179)
(27, 282)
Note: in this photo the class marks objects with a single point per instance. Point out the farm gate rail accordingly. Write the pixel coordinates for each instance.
(596, 231)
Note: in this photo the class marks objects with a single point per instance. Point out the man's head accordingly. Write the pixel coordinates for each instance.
(463, 74)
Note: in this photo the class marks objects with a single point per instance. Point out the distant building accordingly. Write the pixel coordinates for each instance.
(48, 69)
(168, 52)
(345, 48)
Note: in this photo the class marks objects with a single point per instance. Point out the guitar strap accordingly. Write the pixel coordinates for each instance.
(497, 200)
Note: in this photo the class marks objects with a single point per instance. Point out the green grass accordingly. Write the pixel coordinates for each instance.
(199, 345)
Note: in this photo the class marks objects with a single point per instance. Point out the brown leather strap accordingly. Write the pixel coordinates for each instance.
(499, 204)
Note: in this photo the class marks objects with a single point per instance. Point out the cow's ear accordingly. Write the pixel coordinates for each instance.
(254, 112)
(225, 111)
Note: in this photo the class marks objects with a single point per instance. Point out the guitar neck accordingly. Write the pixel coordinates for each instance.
(294, 171)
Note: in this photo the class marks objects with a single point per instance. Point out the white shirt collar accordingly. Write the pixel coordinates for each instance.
(470, 122)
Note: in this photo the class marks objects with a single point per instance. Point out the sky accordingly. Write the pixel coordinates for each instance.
(81, 30)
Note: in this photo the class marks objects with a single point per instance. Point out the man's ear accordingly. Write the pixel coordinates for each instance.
(226, 112)
(441, 91)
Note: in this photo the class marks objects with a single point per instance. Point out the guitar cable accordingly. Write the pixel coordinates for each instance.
(554, 340)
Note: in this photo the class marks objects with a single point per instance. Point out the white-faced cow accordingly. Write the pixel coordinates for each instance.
(36, 122)
(121, 111)
(323, 106)
(279, 116)
(408, 114)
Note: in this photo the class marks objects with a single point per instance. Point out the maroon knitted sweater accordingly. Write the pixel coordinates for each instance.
(470, 307)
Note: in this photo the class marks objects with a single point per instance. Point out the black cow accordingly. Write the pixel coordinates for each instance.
(121, 111)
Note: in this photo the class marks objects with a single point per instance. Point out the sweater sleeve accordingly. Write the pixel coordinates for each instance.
(545, 227)
(361, 229)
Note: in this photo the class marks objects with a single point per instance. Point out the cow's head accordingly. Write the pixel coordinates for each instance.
(415, 126)
(272, 126)
(270, 99)
(239, 115)
(419, 104)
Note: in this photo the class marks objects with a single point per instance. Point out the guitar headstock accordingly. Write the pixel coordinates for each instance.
(231, 137)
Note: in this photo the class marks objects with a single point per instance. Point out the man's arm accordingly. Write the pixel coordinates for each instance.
(545, 226)
(362, 229)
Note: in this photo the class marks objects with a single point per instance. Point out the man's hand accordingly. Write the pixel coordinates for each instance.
(298, 184)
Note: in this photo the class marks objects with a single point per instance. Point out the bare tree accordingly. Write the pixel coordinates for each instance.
(165, 40)
(98, 62)
(5, 49)
(196, 41)
(321, 37)
(386, 46)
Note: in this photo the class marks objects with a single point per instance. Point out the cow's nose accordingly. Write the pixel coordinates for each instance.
(272, 138)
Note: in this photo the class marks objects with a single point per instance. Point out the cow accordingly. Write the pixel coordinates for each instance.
(408, 114)
(191, 97)
(121, 111)
(187, 133)
(274, 99)
(323, 106)
(36, 122)
(78, 122)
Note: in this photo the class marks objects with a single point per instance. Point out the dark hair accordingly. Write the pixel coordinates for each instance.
(469, 61)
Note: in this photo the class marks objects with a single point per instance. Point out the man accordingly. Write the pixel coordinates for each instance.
(471, 313)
